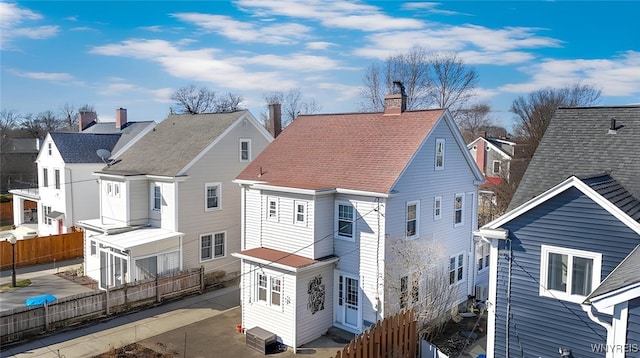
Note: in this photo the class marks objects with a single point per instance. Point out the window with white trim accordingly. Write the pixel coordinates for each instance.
(456, 268)
(345, 215)
(46, 210)
(496, 167)
(272, 209)
(437, 208)
(458, 208)
(213, 196)
(45, 177)
(56, 173)
(157, 198)
(269, 289)
(439, 154)
(116, 190)
(245, 150)
(412, 215)
(109, 189)
(568, 274)
(482, 255)
(300, 213)
(212, 246)
(49, 147)
(94, 249)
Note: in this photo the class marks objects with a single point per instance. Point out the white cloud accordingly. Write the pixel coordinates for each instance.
(289, 33)
(48, 76)
(294, 62)
(619, 76)
(11, 16)
(318, 45)
(334, 14)
(430, 7)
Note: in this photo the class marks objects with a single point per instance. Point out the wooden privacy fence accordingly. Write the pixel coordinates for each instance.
(42, 250)
(19, 323)
(393, 337)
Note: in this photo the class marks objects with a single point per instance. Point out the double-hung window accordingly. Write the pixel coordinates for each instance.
(272, 209)
(458, 207)
(157, 198)
(262, 287)
(482, 255)
(568, 274)
(45, 177)
(439, 154)
(412, 218)
(345, 216)
(212, 246)
(45, 217)
(245, 150)
(300, 213)
(496, 167)
(276, 291)
(57, 178)
(212, 192)
(437, 208)
(269, 289)
(456, 269)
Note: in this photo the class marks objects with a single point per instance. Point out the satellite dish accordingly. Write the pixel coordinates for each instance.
(104, 155)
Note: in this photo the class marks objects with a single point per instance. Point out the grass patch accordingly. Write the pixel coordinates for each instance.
(19, 284)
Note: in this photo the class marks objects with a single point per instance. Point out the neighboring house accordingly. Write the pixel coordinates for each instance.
(67, 190)
(564, 266)
(168, 203)
(324, 205)
(17, 162)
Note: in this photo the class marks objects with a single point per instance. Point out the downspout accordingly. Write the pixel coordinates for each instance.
(608, 327)
(377, 303)
(69, 182)
(508, 314)
(295, 315)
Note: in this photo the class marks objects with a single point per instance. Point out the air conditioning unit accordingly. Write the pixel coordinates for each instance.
(482, 293)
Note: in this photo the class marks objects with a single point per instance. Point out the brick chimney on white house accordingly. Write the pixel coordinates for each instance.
(121, 118)
(275, 119)
(85, 119)
(396, 102)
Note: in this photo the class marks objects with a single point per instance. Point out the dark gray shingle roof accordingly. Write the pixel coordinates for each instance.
(172, 144)
(611, 190)
(128, 132)
(626, 273)
(577, 142)
(82, 147)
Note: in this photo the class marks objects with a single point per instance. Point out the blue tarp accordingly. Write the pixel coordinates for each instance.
(40, 300)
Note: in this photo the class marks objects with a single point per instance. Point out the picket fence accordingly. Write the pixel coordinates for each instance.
(23, 322)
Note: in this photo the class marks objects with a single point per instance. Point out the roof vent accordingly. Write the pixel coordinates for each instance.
(612, 127)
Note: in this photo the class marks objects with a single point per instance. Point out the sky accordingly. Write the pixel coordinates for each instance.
(135, 54)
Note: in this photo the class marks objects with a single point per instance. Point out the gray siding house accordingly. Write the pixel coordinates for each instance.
(564, 276)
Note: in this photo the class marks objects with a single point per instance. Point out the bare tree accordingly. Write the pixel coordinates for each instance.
(42, 123)
(534, 111)
(473, 119)
(9, 120)
(193, 100)
(69, 116)
(453, 82)
(417, 277)
(292, 104)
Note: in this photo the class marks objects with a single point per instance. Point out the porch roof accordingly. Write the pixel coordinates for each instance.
(134, 238)
(280, 259)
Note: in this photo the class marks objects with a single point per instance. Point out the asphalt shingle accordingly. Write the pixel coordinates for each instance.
(83, 147)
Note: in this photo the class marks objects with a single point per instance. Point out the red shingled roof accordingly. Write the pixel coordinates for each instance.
(281, 257)
(358, 151)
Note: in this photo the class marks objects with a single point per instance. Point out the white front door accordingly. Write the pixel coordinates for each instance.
(348, 308)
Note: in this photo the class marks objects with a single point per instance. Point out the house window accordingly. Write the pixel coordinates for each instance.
(568, 274)
(116, 190)
(300, 212)
(437, 208)
(272, 209)
(456, 269)
(276, 291)
(212, 192)
(404, 291)
(482, 255)
(458, 206)
(157, 198)
(212, 246)
(262, 287)
(46, 210)
(496, 167)
(45, 177)
(412, 215)
(93, 248)
(439, 154)
(345, 220)
(245, 150)
(57, 178)
(49, 147)
(109, 189)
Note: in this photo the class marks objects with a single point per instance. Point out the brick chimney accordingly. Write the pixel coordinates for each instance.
(395, 103)
(85, 119)
(481, 155)
(482, 134)
(121, 118)
(275, 119)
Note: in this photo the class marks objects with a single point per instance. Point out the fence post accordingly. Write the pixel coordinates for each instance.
(157, 289)
(201, 279)
(106, 302)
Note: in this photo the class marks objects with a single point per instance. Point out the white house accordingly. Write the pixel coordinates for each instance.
(168, 202)
(325, 204)
(67, 190)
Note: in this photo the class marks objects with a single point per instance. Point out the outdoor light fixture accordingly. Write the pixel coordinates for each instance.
(12, 241)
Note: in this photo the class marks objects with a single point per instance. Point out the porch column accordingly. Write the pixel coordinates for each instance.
(18, 210)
